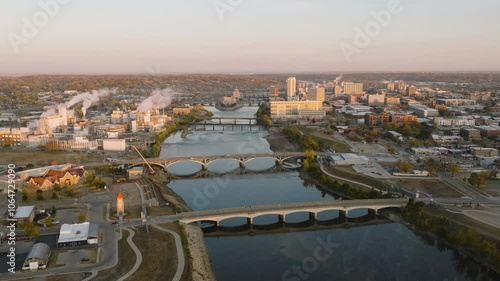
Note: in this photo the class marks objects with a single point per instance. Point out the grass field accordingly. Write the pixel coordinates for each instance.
(159, 257)
(433, 186)
(349, 173)
(328, 141)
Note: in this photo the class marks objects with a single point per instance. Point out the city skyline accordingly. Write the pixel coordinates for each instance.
(248, 37)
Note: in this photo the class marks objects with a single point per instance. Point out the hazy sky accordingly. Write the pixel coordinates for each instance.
(172, 36)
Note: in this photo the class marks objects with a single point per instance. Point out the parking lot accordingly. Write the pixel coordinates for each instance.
(68, 215)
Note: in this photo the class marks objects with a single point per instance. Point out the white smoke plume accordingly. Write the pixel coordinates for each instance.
(89, 98)
(338, 78)
(157, 100)
(50, 112)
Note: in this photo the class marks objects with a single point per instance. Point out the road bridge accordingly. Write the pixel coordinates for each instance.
(282, 210)
(164, 163)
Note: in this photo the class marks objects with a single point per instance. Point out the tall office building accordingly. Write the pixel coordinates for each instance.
(352, 88)
(291, 87)
(316, 94)
(411, 90)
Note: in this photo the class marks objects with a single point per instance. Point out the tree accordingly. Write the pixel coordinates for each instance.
(48, 221)
(476, 180)
(25, 196)
(454, 168)
(32, 230)
(404, 166)
(432, 166)
(82, 217)
(414, 142)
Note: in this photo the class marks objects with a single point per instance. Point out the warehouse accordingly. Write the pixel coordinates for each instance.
(77, 234)
(349, 159)
(38, 257)
(114, 144)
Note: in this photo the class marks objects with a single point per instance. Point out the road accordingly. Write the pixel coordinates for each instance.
(109, 244)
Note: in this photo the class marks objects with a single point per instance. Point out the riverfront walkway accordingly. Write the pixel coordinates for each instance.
(138, 254)
(178, 248)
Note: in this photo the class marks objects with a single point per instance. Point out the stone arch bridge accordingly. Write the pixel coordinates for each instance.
(204, 161)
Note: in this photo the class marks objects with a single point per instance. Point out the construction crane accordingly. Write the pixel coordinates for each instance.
(152, 172)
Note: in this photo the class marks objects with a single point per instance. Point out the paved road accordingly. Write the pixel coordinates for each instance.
(180, 252)
(109, 244)
(138, 255)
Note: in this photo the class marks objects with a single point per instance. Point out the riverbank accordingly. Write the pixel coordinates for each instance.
(200, 259)
(279, 142)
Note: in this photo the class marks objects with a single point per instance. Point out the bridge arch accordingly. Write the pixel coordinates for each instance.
(150, 163)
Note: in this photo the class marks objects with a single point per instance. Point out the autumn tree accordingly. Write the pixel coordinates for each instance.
(454, 168)
(404, 166)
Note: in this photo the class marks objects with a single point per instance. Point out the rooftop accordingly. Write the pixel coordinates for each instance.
(24, 212)
(74, 232)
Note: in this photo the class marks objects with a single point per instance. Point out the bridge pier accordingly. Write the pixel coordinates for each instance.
(313, 216)
(281, 218)
(343, 215)
(373, 211)
(242, 164)
(250, 221)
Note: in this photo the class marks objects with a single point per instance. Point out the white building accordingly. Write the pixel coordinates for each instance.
(25, 213)
(426, 112)
(376, 99)
(114, 144)
(291, 86)
(78, 234)
(349, 159)
(454, 122)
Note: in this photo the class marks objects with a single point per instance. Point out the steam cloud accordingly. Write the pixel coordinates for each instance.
(158, 99)
(88, 99)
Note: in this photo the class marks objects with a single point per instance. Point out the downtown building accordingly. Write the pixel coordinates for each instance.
(297, 109)
(291, 87)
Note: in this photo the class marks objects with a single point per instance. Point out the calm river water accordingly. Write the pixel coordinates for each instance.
(385, 252)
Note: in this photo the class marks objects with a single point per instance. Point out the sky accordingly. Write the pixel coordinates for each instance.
(247, 36)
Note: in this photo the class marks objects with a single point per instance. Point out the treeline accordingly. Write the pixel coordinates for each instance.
(306, 142)
(162, 136)
(463, 237)
(262, 115)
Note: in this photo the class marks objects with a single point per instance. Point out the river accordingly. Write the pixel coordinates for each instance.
(385, 251)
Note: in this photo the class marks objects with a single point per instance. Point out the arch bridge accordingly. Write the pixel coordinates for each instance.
(282, 210)
(204, 161)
